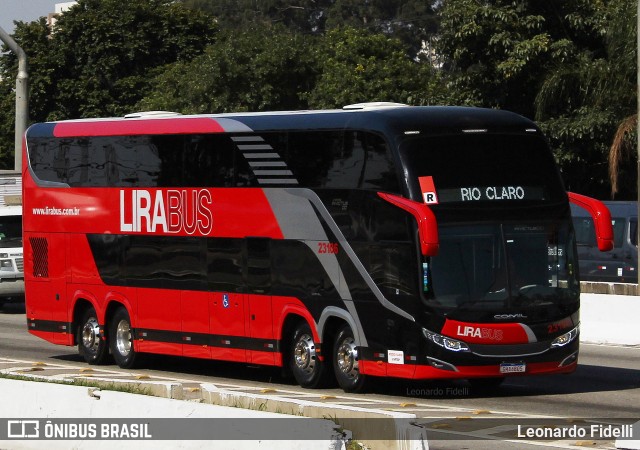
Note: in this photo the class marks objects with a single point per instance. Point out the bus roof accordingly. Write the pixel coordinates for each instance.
(393, 119)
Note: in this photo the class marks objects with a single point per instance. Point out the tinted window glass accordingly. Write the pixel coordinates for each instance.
(224, 262)
(170, 262)
(151, 161)
(165, 262)
(259, 265)
(298, 272)
(337, 159)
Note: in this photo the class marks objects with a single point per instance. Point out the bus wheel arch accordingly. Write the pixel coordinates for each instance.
(92, 345)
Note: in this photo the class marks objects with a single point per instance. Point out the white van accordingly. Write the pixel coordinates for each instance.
(11, 255)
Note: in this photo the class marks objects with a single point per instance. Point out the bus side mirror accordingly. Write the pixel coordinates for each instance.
(601, 219)
(426, 220)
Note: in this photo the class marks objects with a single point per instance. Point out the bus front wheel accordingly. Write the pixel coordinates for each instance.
(345, 361)
(304, 361)
(121, 339)
(91, 345)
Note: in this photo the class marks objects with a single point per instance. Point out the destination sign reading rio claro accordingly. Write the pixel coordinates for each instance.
(491, 194)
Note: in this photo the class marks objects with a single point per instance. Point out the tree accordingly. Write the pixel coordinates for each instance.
(360, 67)
(411, 21)
(495, 51)
(108, 51)
(259, 69)
(587, 103)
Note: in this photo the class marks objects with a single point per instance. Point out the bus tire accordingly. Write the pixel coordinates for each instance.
(91, 345)
(121, 339)
(304, 361)
(345, 361)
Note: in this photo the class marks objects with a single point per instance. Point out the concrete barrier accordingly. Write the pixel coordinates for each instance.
(630, 444)
(23, 401)
(609, 319)
(590, 287)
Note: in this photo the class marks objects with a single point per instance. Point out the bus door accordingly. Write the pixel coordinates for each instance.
(226, 299)
(259, 320)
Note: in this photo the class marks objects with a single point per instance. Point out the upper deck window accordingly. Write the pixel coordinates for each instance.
(343, 159)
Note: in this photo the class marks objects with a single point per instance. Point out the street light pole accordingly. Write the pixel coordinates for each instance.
(22, 97)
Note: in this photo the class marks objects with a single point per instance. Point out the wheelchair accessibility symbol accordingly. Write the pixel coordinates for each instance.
(225, 300)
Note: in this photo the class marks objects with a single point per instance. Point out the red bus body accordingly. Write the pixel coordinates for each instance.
(289, 265)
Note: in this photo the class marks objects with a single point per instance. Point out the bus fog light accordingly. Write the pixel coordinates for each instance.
(445, 342)
(566, 338)
(6, 265)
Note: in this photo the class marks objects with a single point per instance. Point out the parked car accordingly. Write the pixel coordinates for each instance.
(619, 264)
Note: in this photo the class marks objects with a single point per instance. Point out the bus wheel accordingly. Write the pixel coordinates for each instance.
(345, 361)
(91, 346)
(121, 339)
(304, 361)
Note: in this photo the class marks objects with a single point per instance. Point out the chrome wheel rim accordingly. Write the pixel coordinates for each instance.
(347, 358)
(91, 335)
(123, 338)
(304, 354)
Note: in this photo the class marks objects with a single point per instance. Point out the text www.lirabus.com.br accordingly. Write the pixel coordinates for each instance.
(47, 211)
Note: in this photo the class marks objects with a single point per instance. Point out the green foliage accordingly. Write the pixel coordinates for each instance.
(411, 21)
(106, 50)
(359, 67)
(587, 92)
(265, 68)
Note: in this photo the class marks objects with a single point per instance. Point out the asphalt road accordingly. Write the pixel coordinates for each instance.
(606, 385)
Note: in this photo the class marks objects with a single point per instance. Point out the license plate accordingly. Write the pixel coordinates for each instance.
(513, 367)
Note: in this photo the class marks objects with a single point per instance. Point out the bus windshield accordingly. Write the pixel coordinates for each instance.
(495, 252)
(503, 265)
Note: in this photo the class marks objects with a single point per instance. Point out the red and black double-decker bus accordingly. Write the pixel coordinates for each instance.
(392, 241)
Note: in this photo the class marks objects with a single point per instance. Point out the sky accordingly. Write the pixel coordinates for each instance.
(25, 10)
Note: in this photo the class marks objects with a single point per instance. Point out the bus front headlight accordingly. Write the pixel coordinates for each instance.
(445, 342)
(566, 338)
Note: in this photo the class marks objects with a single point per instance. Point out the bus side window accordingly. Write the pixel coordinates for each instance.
(633, 231)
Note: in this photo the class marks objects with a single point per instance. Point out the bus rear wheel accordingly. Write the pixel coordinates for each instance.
(91, 345)
(304, 358)
(121, 339)
(345, 361)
